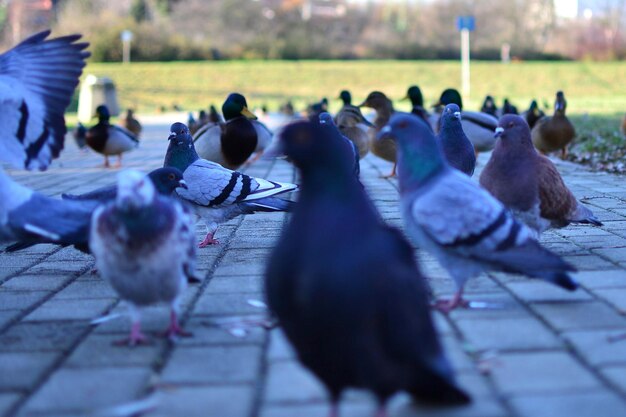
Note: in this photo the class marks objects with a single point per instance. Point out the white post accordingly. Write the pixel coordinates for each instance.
(126, 51)
(465, 63)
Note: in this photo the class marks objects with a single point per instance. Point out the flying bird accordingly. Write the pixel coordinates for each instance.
(458, 222)
(346, 289)
(144, 245)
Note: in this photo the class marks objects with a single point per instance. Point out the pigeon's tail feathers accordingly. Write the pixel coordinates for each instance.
(270, 204)
(72, 196)
(18, 246)
(439, 391)
(535, 261)
(268, 188)
(582, 214)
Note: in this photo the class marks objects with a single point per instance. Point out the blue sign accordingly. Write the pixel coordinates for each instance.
(466, 22)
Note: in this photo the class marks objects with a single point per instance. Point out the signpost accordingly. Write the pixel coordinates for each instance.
(465, 24)
(127, 37)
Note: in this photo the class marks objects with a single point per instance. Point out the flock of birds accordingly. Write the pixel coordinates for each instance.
(343, 285)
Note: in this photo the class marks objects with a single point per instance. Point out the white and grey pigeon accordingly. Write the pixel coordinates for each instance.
(218, 194)
(144, 244)
(37, 79)
(462, 225)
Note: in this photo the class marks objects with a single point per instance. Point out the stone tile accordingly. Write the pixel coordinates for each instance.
(597, 348)
(616, 375)
(279, 347)
(37, 282)
(8, 400)
(611, 278)
(615, 296)
(486, 306)
(535, 291)
(580, 315)
(589, 262)
(613, 254)
(228, 304)
(86, 309)
(207, 331)
(236, 284)
(98, 351)
(81, 290)
(215, 364)
(316, 410)
(541, 373)
(288, 382)
(508, 334)
(205, 401)
(22, 370)
(21, 300)
(8, 316)
(44, 336)
(581, 404)
(87, 390)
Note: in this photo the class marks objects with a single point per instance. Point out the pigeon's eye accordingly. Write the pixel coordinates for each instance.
(511, 124)
(403, 124)
(172, 177)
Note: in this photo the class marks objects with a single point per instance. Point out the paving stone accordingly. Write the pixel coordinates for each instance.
(615, 296)
(22, 370)
(37, 282)
(534, 292)
(236, 284)
(207, 331)
(581, 404)
(214, 364)
(279, 347)
(81, 290)
(596, 348)
(44, 336)
(20, 300)
(98, 351)
(87, 390)
(611, 278)
(8, 401)
(228, 304)
(316, 410)
(8, 316)
(616, 375)
(541, 373)
(202, 401)
(86, 309)
(589, 262)
(289, 382)
(613, 254)
(508, 334)
(582, 315)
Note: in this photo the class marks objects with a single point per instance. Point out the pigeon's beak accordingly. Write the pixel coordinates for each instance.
(248, 114)
(171, 136)
(385, 133)
(182, 184)
(457, 114)
(499, 132)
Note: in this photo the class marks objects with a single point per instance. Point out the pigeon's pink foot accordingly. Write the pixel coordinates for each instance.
(136, 337)
(391, 174)
(174, 329)
(446, 306)
(208, 240)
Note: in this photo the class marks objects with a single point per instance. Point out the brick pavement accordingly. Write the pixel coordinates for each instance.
(536, 352)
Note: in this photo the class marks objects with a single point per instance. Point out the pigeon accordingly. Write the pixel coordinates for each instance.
(131, 124)
(109, 139)
(346, 289)
(456, 147)
(218, 194)
(533, 114)
(144, 245)
(528, 183)
(353, 125)
(478, 126)
(67, 221)
(385, 149)
(461, 224)
(350, 150)
(37, 80)
(555, 132)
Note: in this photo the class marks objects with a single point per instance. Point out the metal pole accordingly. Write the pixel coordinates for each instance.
(126, 51)
(465, 63)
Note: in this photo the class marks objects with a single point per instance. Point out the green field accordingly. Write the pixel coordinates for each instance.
(594, 88)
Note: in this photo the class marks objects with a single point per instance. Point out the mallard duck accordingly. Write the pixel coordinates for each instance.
(478, 127)
(109, 139)
(231, 143)
(383, 148)
(508, 108)
(131, 124)
(555, 132)
(533, 114)
(346, 98)
(624, 126)
(414, 93)
(353, 125)
(489, 106)
(214, 116)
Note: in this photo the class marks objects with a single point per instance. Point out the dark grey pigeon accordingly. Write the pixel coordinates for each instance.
(457, 148)
(144, 245)
(351, 151)
(346, 289)
(218, 194)
(461, 224)
(66, 222)
(528, 183)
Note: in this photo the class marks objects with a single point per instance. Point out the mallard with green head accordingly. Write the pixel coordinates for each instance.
(231, 143)
(533, 114)
(414, 93)
(109, 139)
(556, 132)
(385, 148)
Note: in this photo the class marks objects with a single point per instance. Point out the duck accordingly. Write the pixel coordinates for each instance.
(508, 108)
(109, 139)
(231, 143)
(353, 125)
(346, 98)
(478, 127)
(489, 106)
(130, 123)
(383, 148)
(414, 93)
(554, 133)
(214, 116)
(533, 114)
(624, 126)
